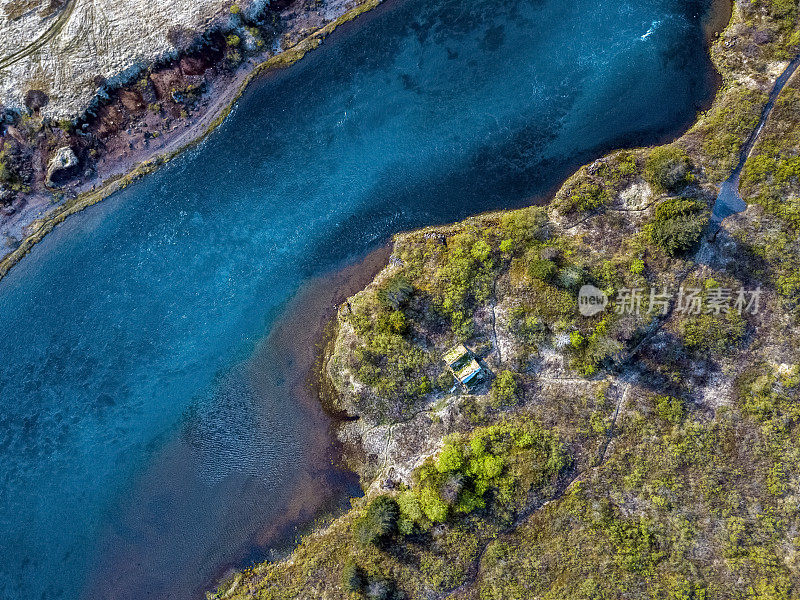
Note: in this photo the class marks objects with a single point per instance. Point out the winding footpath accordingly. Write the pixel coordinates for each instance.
(729, 201)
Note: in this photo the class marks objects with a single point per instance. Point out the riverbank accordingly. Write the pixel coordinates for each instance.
(115, 172)
(668, 421)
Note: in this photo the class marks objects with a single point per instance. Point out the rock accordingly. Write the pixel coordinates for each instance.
(6, 196)
(61, 164)
(193, 65)
(166, 80)
(15, 133)
(85, 44)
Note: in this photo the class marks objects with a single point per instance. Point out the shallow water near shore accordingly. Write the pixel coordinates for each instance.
(151, 431)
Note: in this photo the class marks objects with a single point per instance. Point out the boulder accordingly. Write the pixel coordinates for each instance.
(63, 161)
(6, 195)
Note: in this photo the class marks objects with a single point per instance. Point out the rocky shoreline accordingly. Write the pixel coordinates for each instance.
(141, 125)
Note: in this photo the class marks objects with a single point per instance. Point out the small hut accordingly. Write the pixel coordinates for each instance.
(464, 367)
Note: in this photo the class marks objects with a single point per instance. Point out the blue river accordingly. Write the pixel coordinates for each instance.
(143, 448)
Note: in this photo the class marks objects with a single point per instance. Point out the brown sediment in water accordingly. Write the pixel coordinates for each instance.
(717, 19)
(296, 346)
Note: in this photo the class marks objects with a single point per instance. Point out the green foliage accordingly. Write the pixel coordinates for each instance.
(7, 173)
(233, 40)
(725, 128)
(519, 228)
(463, 280)
(432, 505)
(637, 267)
(710, 333)
(591, 351)
(635, 543)
(354, 579)
(387, 360)
(505, 389)
(668, 169)
(584, 197)
(498, 463)
(544, 270)
(396, 293)
(398, 322)
(528, 328)
(379, 522)
(677, 225)
(451, 458)
(669, 408)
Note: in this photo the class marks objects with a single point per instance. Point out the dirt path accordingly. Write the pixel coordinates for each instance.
(49, 34)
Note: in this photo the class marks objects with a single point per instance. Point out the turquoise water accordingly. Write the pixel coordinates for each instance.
(140, 447)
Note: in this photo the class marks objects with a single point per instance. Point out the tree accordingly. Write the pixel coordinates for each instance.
(379, 521)
(677, 224)
(667, 169)
(353, 577)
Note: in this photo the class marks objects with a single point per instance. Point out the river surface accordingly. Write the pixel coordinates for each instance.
(150, 430)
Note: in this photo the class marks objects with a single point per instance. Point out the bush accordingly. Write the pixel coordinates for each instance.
(668, 169)
(543, 269)
(379, 522)
(396, 293)
(712, 333)
(5, 172)
(505, 389)
(677, 225)
(494, 467)
(669, 408)
(584, 197)
(354, 579)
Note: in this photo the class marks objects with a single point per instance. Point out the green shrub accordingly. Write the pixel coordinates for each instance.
(505, 389)
(521, 227)
(432, 505)
(396, 293)
(710, 333)
(506, 459)
(584, 197)
(669, 408)
(668, 169)
(5, 172)
(354, 579)
(379, 522)
(398, 322)
(542, 269)
(677, 225)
